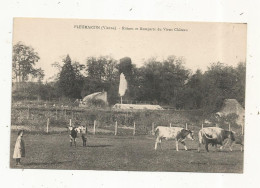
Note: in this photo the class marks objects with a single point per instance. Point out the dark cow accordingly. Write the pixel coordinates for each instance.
(239, 140)
(178, 134)
(215, 136)
(83, 131)
(73, 135)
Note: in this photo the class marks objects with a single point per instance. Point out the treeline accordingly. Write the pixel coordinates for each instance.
(167, 82)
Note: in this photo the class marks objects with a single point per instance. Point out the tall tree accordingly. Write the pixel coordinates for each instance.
(173, 78)
(68, 80)
(24, 59)
(163, 81)
(96, 67)
(102, 75)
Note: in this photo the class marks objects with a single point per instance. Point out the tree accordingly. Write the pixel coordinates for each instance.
(24, 59)
(162, 81)
(102, 75)
(70, 79)
(149, 79)
(192, 95)
(222, 82)
(173, 79)
(96, 67)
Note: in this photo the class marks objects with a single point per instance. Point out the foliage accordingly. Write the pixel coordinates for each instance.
(24, 59)
(96, 102)
(70, 79)
(165, 82)
(102, 75)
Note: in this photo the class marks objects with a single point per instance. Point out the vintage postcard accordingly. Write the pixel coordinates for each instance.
(128, 95)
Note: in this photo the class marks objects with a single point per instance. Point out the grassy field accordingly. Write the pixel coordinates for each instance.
(128, 153)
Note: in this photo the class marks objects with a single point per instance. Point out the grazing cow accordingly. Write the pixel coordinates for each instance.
(178, 134)
(239, 140)
(214, 136)
(73, 134)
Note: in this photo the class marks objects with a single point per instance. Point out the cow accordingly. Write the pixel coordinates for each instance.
(178, 134)
(83, 130)
(214, 136)
(73, 134)
(239, 139)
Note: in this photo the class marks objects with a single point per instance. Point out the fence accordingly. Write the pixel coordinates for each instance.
(99, 120)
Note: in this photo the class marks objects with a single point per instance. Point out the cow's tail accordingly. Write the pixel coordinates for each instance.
(202, 132)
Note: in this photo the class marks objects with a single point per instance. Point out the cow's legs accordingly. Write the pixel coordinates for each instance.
(177, 145)
(160, 144)
(84, 140)
(207, 146)
(222, 146)
(71, 140)
(230, 146)
(74, 141)
(216, 147)
(185, 147)
(156, 142)
(199, 146)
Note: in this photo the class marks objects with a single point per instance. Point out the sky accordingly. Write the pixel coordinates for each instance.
(200, 44)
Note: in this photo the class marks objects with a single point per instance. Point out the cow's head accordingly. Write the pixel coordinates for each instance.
(189, 134)
(70, 128)
(230, 135)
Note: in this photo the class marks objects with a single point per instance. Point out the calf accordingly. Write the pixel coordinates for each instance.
(214, 136)
(178, 134)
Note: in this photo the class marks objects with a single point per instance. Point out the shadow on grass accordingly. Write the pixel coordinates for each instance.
(27, 165)
(98, 146)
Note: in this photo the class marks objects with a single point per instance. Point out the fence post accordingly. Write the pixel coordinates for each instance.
(48, 120)
(70, 122)
(56, 114)
(186, 127)
(116, 128)
(229, 126)
(28, 115)
(153, 128)
(134, 129)
(94, 130)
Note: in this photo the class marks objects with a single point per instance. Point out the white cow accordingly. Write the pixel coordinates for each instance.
(178, 134)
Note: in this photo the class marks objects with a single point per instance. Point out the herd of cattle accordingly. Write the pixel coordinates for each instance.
(208, 135)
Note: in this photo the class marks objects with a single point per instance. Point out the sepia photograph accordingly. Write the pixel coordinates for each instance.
(121, 95)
